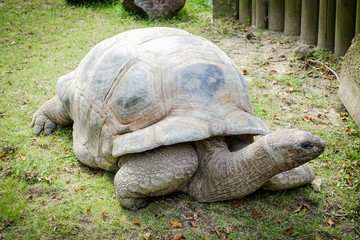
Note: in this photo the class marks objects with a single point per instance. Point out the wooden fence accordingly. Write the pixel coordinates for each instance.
(329, 24)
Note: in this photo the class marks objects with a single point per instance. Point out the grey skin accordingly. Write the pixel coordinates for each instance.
(168, 111)
(214, 169)
(208, 171)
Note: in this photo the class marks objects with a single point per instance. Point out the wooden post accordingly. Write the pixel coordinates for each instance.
(253, 12)
(244, 11)
(349, 88)
(344, 26)
(292, 17)
(276, 15)
(225, 9)
(309, 21)
(261, 13)
(326, 33)
(357, 29)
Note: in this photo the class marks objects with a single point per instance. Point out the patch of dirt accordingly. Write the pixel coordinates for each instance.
(35, 192)
(270, 55)
(265, 52)
(87, 223)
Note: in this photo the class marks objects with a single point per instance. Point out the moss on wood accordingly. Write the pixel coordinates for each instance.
(351, 62)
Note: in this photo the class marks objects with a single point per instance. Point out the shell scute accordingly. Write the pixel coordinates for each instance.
(135, 100)
(201, 79)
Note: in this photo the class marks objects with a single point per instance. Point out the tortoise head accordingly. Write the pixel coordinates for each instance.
(295, 145)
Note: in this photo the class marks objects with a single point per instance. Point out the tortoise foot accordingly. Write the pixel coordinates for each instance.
(134, 203)
(293, 178)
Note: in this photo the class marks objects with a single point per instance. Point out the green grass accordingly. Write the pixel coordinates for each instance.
(45, 193)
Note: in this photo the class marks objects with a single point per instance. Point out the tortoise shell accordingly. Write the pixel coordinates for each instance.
(145, 88)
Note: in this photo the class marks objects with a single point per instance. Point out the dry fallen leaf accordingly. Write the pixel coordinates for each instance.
(291, 89)
(324, 123)
(179, 236)
(4, 157)
(298, 209)
(277, 220)
(193, 223)
(218, 233)
(135, 221)
(272, 72)
(69, 170)
(48, 180)
(255, 214)
(104, 215)
(302, 207)
(229, 230)
(306, 207)
(349, 182)
(288, 231)
(189, 218)
(82, 188)
(330, 222)
(146, 236)
(308, 118)
(57, 197)
(175, 224)
(350, 130)
(343, 166)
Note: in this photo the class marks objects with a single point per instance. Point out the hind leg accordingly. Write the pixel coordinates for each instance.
(153, 173)
(293, 178)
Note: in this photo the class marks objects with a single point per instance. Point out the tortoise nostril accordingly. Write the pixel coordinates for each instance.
(306, 145)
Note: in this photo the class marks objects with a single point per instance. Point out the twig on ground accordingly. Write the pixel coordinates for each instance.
(356, 230)
(328, 68)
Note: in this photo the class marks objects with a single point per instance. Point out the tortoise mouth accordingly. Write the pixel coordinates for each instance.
(310, 150)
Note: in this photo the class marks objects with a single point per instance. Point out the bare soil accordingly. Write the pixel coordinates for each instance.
(261, 53)
(268, 56)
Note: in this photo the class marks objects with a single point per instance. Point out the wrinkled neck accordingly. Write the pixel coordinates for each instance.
(224, 175)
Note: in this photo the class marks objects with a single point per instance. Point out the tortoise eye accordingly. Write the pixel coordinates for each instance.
(306, 145)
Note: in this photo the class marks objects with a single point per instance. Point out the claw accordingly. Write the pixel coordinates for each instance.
(37, 130)
(49, 128)
(41, 122)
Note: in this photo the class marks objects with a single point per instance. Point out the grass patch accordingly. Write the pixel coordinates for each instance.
(11, 204)
(45, 193)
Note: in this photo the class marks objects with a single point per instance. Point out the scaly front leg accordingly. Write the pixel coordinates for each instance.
(51, 114)
(156, 172)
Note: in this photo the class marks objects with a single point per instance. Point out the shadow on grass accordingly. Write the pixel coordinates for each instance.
(97, 4)
(186, 14)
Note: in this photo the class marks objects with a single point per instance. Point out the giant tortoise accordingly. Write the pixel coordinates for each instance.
(169, 111)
